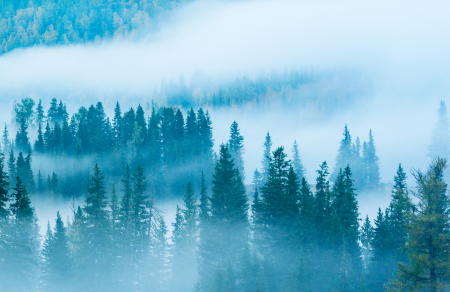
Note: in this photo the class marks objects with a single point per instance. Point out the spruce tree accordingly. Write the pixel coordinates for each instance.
(279, 210)
(117, 126)
(57, 259)
(381, 269)
(429, 238)
(40, 114)
(236, 147)
(22, 254)
(257, 179)
(345, 153)
(12, 167)
(39, 145)
(346, 227)
(372, 168)
(267, 154)
(94, 262)
(399, 209)
(4, 197)
(366, 241)
(6, 144)
(297, 162)
(225, 235)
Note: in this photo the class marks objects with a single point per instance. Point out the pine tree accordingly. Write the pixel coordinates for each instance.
(429, 238)
(297, 162)
(39, 145)
(12, 167)
(117, 126)
(40, 114)
(48, 139)
(56, 255)
(257, 179)
(366, 241)
(345, 155)
(382, 268)
(5, 141)
(372, 165)
(306, 218)
(94, 264)
(346, 226)
(236, 147)
(22, 141)
(225, 235)
(322, 206)
(185, 239)
(440, 139)
(52, 113)
(22, 252)
(4, 197)
(279, 210)
(266, 158)
(400, 208)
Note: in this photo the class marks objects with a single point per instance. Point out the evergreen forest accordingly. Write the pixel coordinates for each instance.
(277, 233)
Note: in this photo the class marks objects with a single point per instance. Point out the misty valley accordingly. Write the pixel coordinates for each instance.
(277, 233)
(224, 146)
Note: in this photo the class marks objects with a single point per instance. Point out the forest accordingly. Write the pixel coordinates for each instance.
(279, 233)
(26, 23)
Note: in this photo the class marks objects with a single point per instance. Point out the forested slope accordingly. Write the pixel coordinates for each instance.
(26, 23)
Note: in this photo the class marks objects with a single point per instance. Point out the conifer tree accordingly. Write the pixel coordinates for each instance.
(95, 263)
(236, 147)
(279, 209)
(297, 162)
(346, 226)
(399, 210)
(40, 114)
(225, 235)
(257, 179)
(4, 197)
(429, 238)
(440, 139)
(22, 141)
(117, 126)
(5, 141)
(382, 268)
(322, 206)
(345, 153)
(48, 139)
(266, 158)
(306, 214)
(52, 112)
(366, 241)
(39, 144)
(56, 255)
(22, 252)
(372, 168)
(12, 167)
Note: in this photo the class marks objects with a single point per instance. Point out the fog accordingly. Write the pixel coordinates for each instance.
(397, 52)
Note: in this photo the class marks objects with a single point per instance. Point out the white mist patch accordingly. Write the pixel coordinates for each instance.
(405, 42)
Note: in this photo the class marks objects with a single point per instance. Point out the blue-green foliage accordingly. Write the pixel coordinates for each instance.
(26, 23)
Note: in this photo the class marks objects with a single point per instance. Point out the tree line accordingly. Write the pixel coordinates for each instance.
(294, 239)
(49, 22)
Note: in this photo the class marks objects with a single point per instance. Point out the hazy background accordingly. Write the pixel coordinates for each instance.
(400, 50)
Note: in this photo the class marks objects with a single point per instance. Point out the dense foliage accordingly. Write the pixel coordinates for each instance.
(26, 23)
(291, 237)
